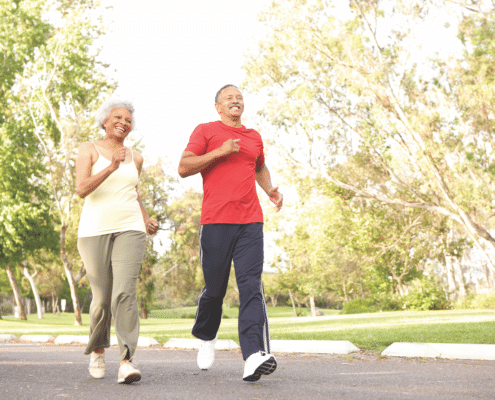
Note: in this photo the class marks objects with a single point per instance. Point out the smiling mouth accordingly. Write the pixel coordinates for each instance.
(120, 129)
(236, 106)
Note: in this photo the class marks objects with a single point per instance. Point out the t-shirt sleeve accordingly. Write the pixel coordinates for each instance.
(261, 158)
(197, 142)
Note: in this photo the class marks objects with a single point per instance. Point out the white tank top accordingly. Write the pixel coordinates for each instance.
(112, 206)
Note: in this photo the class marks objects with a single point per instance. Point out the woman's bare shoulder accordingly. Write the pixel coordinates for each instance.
(137, 156)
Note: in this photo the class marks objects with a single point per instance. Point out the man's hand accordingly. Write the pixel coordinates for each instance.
(276, 198)
(230, 146)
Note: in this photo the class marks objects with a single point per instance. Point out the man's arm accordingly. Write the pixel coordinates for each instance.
(191, 164)
(265, 181)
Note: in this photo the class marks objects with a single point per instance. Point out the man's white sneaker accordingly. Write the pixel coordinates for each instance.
(258, 364)
(128, 374)
(97, 365)
(206, 353)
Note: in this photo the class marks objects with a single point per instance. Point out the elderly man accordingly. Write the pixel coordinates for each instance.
(230, 158)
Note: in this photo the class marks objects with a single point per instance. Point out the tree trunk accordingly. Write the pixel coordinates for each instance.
(144, 310)
(313, 307)
(293, 304)
(54, 304)
(17, 294)
(490, 281)
(449, 270)
(28, 306)
(477, 284)
(460, 278)
(70, 279)
(346, 298)
(39, 307)
(75, 298)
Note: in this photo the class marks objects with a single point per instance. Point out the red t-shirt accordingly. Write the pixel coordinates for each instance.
(229, 183)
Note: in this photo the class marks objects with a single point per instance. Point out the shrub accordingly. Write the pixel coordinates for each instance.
(425, 295)
(385, 302)
(357, 306)
(477, 301)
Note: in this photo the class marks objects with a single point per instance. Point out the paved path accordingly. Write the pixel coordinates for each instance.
(33, 371)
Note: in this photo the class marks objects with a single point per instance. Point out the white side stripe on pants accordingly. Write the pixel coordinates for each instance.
(266, 327)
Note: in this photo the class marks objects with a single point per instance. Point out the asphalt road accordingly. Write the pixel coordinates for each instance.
(32, 371)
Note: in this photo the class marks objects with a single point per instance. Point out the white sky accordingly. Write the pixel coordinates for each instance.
(171, 57)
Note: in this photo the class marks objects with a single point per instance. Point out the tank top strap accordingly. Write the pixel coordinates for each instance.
(96, 147)
(132, 155)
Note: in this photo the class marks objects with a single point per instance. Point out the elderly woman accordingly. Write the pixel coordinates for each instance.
(112, 236)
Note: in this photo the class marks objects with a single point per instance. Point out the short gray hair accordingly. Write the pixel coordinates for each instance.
(217, 96)
(106, 108)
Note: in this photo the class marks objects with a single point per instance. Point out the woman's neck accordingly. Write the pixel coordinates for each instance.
(112, 143)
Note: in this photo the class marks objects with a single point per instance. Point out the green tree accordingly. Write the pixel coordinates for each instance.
(155, 187)
(60, 89)
(50, 277)
(25, 224)
(348, 89)
(181, 276)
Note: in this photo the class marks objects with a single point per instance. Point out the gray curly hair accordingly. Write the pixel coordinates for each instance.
(106, 108)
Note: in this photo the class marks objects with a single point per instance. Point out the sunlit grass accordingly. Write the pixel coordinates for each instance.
(370, 331)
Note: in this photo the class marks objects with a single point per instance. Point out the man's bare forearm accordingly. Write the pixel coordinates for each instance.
(264, 179)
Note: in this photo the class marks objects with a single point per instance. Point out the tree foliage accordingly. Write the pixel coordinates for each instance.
(155, 187)
(350, 106)
(51, 84)
(180, 273)
(25, 222)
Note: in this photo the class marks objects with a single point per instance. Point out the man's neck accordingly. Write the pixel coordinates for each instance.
(234, 123)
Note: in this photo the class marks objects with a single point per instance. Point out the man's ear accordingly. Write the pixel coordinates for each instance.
(217, 107)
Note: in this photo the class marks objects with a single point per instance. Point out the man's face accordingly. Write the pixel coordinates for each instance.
(230, 103)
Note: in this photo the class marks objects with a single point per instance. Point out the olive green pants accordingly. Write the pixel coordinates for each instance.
(113, 262)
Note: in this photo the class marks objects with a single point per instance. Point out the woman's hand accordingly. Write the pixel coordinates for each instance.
(118, 157)
(151, 226)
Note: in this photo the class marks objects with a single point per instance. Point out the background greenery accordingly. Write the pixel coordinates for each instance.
(367, 331)
(390, 157)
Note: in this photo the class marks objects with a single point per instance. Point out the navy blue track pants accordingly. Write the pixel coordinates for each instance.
(220, 244)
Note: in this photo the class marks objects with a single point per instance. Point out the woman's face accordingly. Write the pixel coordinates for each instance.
(118, 124)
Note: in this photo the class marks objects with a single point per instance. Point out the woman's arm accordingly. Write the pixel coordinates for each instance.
(85, 183)
(150, 224)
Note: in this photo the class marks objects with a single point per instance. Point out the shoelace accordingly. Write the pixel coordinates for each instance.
(98, 361)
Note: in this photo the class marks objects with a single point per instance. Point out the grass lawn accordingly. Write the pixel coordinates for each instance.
(369, 331)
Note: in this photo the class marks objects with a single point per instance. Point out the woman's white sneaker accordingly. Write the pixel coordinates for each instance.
(97, 365)
(206, 353)
(258, 364)
(128, 374)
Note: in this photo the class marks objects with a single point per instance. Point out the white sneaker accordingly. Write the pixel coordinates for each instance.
(258, 364)
(128, 374)
(97, 365)
(206, 353)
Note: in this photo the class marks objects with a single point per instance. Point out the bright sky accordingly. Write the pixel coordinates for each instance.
(171, 57)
